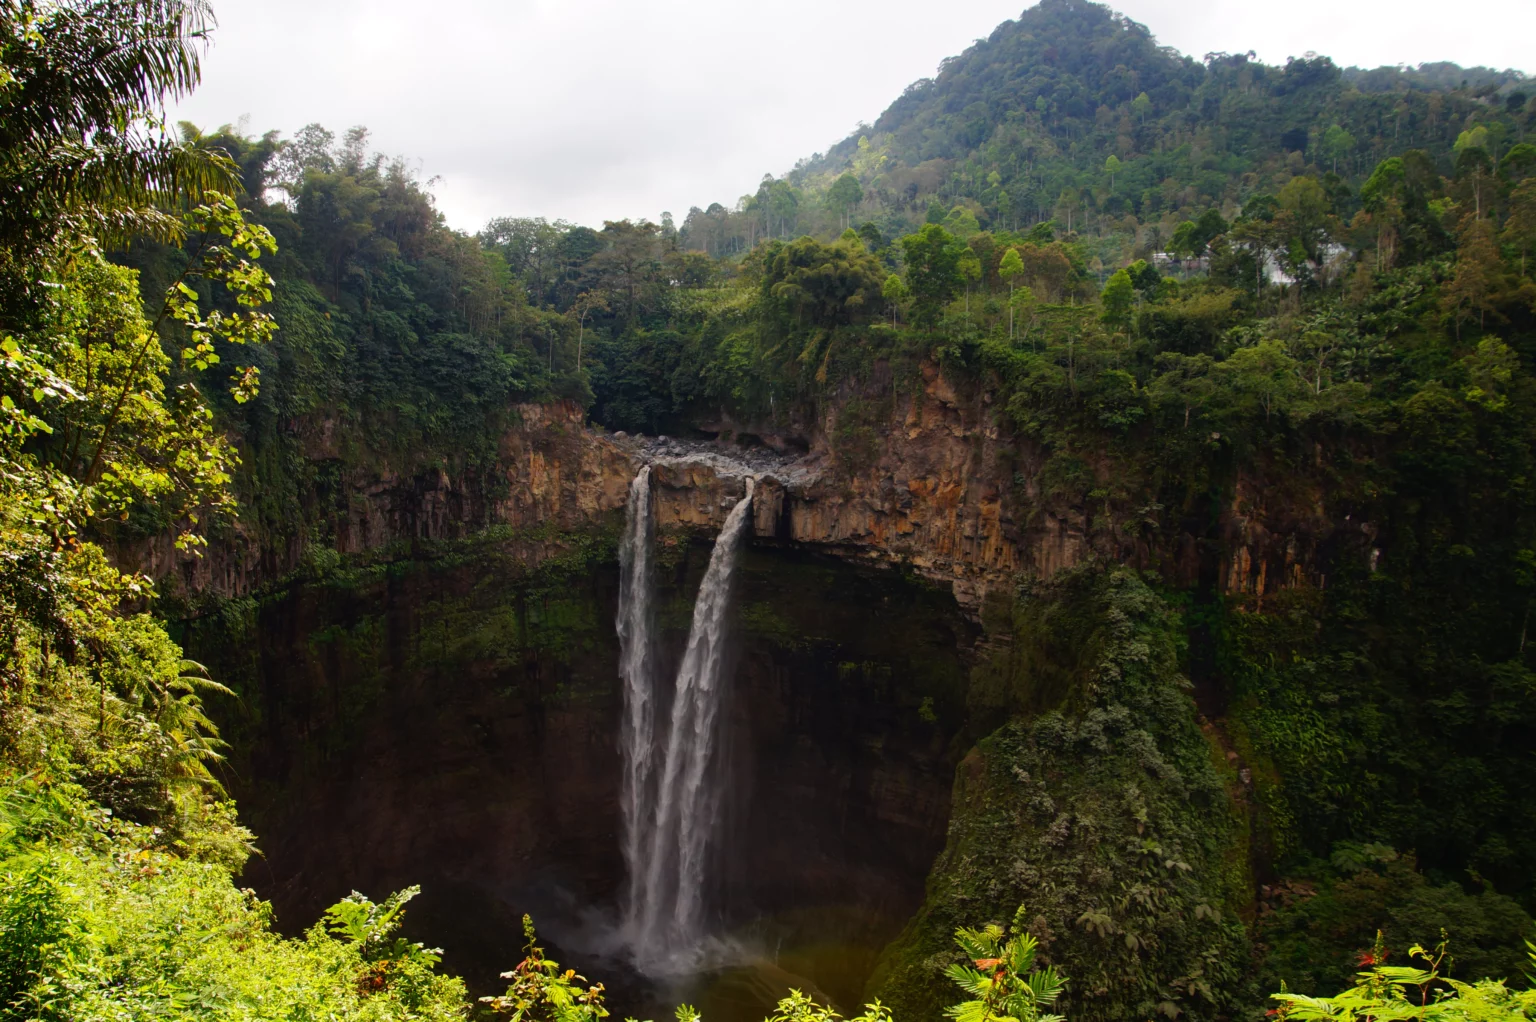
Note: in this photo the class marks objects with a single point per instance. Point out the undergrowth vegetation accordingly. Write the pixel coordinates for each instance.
(100, 920)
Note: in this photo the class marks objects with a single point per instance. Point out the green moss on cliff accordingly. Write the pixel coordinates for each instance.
(519, 605)
(1099, 808)
(882, 631)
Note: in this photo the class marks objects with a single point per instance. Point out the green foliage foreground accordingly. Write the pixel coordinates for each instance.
(998, 972)
(98, 921)
(1388, 993)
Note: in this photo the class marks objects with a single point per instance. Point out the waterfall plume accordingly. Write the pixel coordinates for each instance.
(674, 814)
(636, 621)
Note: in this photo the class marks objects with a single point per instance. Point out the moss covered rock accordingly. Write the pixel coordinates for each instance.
(1100, 809)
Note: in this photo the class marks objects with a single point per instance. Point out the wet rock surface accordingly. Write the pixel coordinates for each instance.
(454, 727)
(939, 488)
(447, 714)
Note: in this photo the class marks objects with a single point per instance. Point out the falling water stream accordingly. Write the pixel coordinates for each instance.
(670, 807)
(636, 650)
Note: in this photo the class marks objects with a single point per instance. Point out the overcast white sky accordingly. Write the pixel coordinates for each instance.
(601, 109)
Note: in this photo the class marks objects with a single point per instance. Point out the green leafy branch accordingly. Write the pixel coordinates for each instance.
(1003, 982)
(1391, 993)
(543, 992)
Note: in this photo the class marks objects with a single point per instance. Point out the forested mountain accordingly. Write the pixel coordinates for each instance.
(1074, 112)
(1251, 355)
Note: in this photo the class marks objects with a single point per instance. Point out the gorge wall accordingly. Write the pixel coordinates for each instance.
(453, 723)
(938, 487)
(429, 684)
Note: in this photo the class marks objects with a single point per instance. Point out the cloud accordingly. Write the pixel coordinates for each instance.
(601, 109)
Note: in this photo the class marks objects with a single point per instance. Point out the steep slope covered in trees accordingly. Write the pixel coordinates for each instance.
(1075, 113)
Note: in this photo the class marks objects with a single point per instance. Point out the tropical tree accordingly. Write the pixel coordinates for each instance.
(1184, 382)
(1306, 225)
(1141, 106)
(1383, 196)
(1520, 224)
(1257, 235)
(83, 86)
(1262, 376)
(1519, 163)
(1473, 163)
(894, 291)
(1471, 289)
(585, 305)
(122, 423)
(1023, 302)
(806, 283)
(783, 203)
(1010, 267)
(531, 246)
(1112, 166)
(933, 271)
(627, 267)
(962, 223)
(1191, 237)
(1118, 299)
(970, 272)
(843, 196)
(1337, 142)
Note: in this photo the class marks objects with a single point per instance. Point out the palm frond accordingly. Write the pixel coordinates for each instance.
(110, 189)
(1021, 952)
(982, 943)
(969, 980)
(194, 676)
(1300, 1006)
(1045, 985)
(82, 66)
(78, 158)
(969, 1011)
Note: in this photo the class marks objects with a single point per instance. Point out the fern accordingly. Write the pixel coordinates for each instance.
(1002, 979)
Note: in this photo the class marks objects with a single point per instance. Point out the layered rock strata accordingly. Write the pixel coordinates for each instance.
(941, 490)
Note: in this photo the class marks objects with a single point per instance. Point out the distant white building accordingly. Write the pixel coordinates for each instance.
(1167, 261)
(1331, 260)
(1274, 273)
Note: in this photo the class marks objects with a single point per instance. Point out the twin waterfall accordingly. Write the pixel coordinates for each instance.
(671, 787)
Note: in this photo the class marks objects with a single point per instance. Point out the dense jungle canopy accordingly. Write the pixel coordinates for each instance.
(1166, 274)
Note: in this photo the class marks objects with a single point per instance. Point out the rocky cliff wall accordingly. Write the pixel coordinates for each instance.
(429, 681)
(452, 723)
(936, 485)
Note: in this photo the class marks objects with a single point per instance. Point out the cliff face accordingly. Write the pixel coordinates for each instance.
(552, 474)
(452, 723)
(937, 487)
(438, 704)
(1106, 803)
